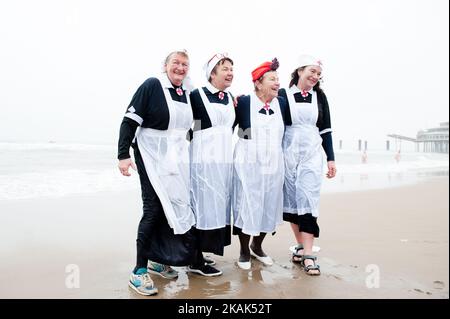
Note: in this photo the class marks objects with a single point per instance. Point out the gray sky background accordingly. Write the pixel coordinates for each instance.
(68, 69)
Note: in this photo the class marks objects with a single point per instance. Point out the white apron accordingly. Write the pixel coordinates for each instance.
(259, 172)
(212, 167)
(303, 158)
(166, 159)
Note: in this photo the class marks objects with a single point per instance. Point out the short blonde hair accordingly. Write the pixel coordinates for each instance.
(180, 52)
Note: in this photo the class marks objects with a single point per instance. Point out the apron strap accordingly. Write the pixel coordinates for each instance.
(291, 98)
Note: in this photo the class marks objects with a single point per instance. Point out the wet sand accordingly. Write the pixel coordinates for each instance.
(388, 243)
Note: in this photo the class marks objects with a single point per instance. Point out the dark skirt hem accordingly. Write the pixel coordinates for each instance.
(238, 231)
(307, 223)
(213, 241)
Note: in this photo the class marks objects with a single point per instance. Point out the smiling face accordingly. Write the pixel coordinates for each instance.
(177, 67)
(268, 85)
(309, 76)
(222, 75)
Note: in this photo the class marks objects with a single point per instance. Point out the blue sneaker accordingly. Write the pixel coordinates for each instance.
(162, 270)
(142, 283)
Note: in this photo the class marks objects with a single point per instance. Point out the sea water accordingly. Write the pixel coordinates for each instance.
(383, 169)
(54, 169)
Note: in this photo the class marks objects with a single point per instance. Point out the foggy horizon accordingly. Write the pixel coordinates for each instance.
(70, 68)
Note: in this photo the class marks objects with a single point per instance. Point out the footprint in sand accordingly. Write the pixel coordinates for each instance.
(335, 277)
(437, 284)
(422, 292)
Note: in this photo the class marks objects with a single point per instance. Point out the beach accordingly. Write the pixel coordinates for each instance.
(377, 243)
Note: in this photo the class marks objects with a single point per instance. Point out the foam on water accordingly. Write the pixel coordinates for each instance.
(382, 170)
(63, 182)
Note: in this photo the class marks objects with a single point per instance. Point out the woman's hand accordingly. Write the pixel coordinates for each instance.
(124, 165)
(331, 169)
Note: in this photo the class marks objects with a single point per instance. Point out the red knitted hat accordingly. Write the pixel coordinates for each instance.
(263, 68)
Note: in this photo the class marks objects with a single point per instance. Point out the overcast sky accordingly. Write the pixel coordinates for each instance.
(68, 68)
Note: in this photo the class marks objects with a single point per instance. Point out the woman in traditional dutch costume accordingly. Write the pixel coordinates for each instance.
(258, 164)
(161, 109)
(308, 134)
(212, 163)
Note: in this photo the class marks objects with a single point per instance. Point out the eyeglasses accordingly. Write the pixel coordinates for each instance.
(219, 56)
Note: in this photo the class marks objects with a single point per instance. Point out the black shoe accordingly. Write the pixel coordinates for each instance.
(205, 270)
(209, 261)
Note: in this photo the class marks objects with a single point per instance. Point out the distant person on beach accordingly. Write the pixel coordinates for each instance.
(308, 132)
(161, 107)
(364, 157)
(212, 163)
(397, 156)
(258, 164)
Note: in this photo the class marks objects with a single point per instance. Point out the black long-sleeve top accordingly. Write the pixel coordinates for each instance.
(148, 108)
